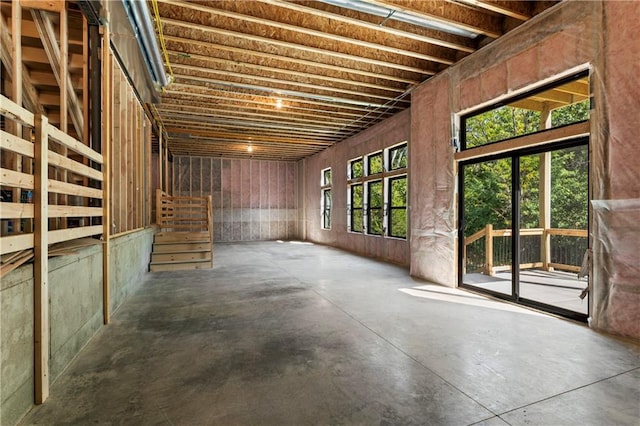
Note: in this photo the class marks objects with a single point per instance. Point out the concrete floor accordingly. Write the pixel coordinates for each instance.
(555, 288)
(294, 334)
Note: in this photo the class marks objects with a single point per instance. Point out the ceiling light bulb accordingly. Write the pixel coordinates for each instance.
(279, 103)
(249, 148)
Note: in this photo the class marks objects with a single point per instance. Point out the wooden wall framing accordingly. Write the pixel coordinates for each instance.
(130, 144)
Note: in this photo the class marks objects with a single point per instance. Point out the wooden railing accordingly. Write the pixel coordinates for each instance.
(489, 234)
(184, 214)
(35, 149)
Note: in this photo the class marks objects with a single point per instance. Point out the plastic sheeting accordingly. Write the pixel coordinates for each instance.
(615, 283)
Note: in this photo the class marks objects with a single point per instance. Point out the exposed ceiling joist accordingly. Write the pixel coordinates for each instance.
(298, 76)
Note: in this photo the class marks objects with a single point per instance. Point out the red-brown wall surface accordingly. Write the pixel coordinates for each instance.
(390, 132)
(252, 199)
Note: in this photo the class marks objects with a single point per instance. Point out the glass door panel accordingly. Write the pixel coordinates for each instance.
(553, 227)
(486, 249)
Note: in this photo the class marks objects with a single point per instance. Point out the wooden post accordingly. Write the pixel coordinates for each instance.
(544, 194)
(210, 223)
(159, 208)
(160, 159)
(106, 170)
(41, 272)
(64, 98)
(488, 249)
(16, 88)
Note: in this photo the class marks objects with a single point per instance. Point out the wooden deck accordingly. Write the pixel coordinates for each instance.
(556, 288)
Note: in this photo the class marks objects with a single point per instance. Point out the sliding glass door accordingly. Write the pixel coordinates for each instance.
(523, 233)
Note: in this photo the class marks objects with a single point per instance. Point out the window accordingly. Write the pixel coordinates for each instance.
(377, 192)
(326, 199)
(357, 208)
(374, 207)
(559, 104)
(397, 215)
(374, 164)
(397, 157)
(356, 168)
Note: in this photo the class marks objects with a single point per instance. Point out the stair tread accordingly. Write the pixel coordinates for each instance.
(176, 262)
(183, 251)
(182, 241)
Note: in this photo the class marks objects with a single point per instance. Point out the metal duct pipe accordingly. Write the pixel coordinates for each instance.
(139, 16)
(389, 13)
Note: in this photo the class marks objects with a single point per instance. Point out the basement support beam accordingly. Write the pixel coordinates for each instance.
(48, 38)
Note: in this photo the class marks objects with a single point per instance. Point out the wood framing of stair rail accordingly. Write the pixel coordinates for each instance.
(34, 188)
(185, 240)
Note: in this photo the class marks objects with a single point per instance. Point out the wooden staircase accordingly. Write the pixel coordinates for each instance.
(185, 238)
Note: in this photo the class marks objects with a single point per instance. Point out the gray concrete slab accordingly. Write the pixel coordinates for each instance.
(282, 333)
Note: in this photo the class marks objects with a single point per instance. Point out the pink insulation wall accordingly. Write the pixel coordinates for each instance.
(252, 200)
(573, 34)
(390, 132)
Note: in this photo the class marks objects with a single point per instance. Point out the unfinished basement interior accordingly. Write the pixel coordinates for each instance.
(330, 212)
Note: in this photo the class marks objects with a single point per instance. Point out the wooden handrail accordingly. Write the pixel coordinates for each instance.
(184, 212)
(489, 234)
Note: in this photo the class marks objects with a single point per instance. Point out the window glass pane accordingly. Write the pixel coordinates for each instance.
(375, 163)
(500, 124)
(568, 103)
(374, 208)
(398, 207)
(398, 222)
(357, 202)
(398, 192)
(326, 177)
(326, 213)
(398, 157)
(357, 168)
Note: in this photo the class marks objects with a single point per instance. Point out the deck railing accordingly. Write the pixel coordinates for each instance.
(187, 214)
(489, 250)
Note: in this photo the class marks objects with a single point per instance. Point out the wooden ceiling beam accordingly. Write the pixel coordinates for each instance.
(227, 73)
(223, 99)
(519, 10)
(238, 63)
(453, 15)
(173, 131)
(296, 47)
(207, 145)
(198, 45)
(208, 111)
(371, 25)
(254, 125)
(308, 32)
(252, 112)
(203, 117)
(294, 96)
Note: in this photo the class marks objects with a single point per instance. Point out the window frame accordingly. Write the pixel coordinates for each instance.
(325, 188)
(526, 94)
(366, 212)
(368, 208)
(352, 208)
(391, 207)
